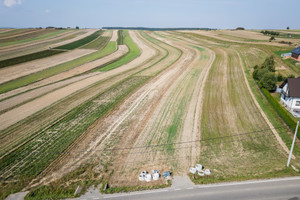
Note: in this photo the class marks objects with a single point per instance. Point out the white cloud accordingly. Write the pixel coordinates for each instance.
(10, 3)
(47, 11)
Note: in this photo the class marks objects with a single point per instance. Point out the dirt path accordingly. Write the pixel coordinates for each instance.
(12, 102)
(20, 70)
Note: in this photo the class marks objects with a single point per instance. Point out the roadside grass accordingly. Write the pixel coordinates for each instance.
(11, 85)
(133, 52)
(81, 42)
(28, 57)
(45, 36)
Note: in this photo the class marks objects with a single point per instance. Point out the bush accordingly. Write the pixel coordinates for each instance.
(269, 81)
(280, 77)
(291, 76)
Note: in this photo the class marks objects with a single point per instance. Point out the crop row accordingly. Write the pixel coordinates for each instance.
(81, 42)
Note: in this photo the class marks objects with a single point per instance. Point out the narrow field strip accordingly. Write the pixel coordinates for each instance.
(134, 52)
(23, 81)
(85, 94)
(20, 71)
(81, 42)
(27, 35)
(116, 88)
(41, 37)
(56, 80)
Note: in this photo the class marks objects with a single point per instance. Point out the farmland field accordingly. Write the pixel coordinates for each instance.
(113, 103)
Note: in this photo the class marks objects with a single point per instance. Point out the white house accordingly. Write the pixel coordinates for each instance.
(290, 95)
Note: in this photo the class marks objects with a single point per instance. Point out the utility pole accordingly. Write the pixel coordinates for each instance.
(291, 151)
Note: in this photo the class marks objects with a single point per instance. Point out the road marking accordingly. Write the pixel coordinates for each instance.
(177, 189)
(249, 182)
(135, 193)
(190, 188)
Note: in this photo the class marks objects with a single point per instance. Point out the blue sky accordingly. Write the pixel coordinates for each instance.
(223, 14)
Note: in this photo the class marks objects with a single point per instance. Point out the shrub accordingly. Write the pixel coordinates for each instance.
(269, 81)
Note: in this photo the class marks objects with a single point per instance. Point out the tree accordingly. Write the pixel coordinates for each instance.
(268, 81)
(288, 28)
(280, 77)
(271, 38)
(291, 76)
(77, 27)
(261, 72)
(269, 63)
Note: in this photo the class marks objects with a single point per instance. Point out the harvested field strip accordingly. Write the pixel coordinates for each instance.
(111, 47)
(43, 148)
(97, 44)
(80, 42)
(49, 115)
(227, 111)
(36, 46)
(24, 32)
(28, 57)
(82, 141)
(134, 52)
(120, 40)
(45, 36)
(27, 35)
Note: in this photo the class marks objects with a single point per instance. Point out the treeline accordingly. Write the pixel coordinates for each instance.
(265, 74)
(157, 29)
(270, 33)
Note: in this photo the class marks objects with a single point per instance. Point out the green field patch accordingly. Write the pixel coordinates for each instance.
(110, 47)
(28, 57)
(134, 52)
(97, 44)
(81, 42)
(120, 40)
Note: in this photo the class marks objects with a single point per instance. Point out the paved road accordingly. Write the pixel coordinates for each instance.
(275, 189)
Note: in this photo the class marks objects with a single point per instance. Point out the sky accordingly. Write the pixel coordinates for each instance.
(221, 14)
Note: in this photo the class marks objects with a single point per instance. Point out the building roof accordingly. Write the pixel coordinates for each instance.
(296, 51)
(293, 86)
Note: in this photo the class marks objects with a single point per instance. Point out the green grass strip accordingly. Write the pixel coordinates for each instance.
(120, 40)
(28, 57)
(11, 85)
(81, 42)
(134, 52)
